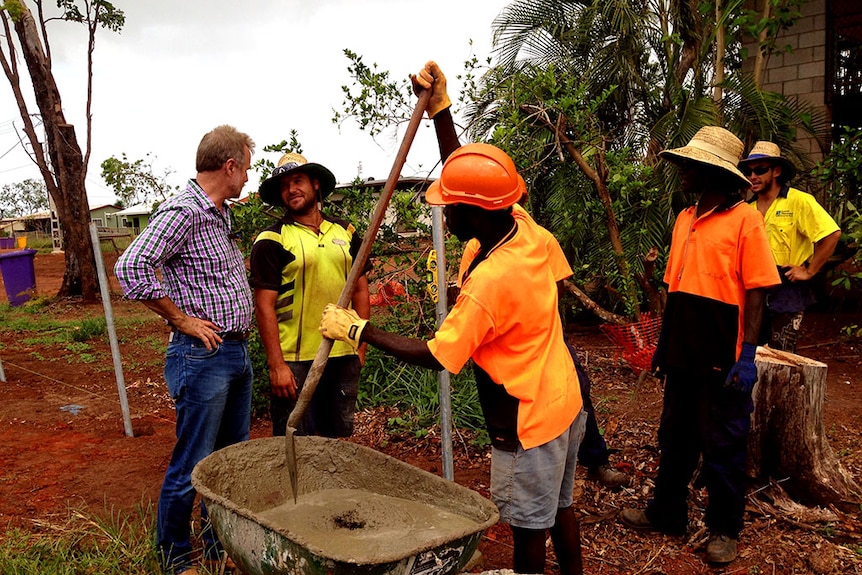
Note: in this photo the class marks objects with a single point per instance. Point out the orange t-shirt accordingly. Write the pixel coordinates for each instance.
(506, 319)
(716, 258)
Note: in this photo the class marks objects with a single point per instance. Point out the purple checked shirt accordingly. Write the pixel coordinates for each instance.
(202, 268)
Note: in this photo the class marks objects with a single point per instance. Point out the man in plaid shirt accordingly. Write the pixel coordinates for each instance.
(205, 298)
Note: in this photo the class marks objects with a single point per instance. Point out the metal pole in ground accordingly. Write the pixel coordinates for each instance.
(445, 391)
(112, 333)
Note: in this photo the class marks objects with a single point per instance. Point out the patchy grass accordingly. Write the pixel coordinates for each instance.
(115, 544)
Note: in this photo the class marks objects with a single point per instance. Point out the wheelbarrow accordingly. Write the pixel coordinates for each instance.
(358, 511)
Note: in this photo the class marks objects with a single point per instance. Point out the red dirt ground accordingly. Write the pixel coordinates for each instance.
(63, 447)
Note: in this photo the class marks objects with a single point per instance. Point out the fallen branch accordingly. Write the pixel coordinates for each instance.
(592, 306)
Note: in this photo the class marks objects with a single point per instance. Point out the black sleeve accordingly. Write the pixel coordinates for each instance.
(268, 259)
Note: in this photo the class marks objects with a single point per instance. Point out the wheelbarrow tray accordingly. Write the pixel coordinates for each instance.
(240, 484)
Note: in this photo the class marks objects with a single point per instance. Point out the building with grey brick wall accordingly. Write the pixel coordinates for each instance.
(823, 67)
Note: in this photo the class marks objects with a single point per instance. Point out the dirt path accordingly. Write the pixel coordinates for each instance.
(62, 444)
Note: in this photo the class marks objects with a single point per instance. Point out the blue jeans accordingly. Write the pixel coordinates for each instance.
(212, 393)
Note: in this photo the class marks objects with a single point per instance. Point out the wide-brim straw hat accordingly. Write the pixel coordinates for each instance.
(712, 146)
(763, 150)
(270, 189)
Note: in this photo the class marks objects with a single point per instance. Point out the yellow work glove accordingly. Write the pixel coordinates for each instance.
(342, 324)
(431, 78)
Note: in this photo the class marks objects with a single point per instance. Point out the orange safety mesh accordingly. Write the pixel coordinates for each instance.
(388, 293)
(636, 341)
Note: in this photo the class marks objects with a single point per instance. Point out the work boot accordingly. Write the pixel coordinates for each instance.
(609, 476)
(636, 519)
(720, 548)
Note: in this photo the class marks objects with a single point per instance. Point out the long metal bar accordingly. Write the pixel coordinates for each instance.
(438, 239)
(112, 332)
(319, 364)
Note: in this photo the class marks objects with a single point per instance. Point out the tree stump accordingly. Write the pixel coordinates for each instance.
(787, 437)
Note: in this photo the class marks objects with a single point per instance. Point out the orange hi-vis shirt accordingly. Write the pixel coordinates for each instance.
(506, 319)
(714, 259)
(556, 258)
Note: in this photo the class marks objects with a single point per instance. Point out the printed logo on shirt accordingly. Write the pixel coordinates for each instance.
(339, 242)
(784, 213)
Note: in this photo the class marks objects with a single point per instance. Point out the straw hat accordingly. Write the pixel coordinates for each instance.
(270, 190)
(763, 150)
(712, 146)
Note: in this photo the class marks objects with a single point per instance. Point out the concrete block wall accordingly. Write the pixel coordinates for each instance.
(801, 72)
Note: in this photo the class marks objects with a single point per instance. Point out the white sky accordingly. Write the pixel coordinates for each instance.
(181, 67)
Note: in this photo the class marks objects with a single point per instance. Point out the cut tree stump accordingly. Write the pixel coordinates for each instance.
(788, 439)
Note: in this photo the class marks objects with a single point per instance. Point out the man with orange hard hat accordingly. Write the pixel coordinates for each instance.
(593, 452)
(527, 383)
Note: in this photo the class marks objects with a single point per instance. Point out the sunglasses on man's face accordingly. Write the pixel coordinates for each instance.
(759, 170)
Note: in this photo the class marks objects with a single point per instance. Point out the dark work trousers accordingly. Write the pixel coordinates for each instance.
(701, 416)
(330, 411)
(593, 451)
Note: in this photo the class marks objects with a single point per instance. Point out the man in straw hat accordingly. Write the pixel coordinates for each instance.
(506, 320)
(203, 295)
(802, 236)
(718, 267)
(298, 265)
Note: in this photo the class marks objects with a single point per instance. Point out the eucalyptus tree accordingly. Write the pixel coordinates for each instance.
(136, 181)
(59, 157)
(23, 198)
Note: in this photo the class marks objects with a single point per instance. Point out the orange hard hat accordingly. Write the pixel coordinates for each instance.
(480, 175)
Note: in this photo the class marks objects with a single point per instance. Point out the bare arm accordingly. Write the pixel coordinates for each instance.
(823, 250)
(754, 299)
(447, 138)
(281, 379)
(411, 350)
(362, 305)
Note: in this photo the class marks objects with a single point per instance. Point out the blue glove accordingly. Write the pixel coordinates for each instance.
(743, 374)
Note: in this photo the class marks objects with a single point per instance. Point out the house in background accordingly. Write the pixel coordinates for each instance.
(38, 222)
(105, 216)
(418, 185)
(137, 216)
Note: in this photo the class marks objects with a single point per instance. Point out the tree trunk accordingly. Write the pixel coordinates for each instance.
(760, 59)
(787, 437)
(67, 162)
(719, 57)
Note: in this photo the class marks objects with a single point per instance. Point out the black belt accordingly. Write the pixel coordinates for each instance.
(234, 335)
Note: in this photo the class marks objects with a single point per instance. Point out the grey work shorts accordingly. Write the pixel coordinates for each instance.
(528, 486)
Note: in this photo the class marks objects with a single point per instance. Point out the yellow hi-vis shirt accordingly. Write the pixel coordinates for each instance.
(794, 223)
(308, 271)
(506, 319)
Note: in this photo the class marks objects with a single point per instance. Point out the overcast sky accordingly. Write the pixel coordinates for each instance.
(181, 67)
